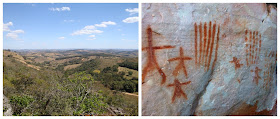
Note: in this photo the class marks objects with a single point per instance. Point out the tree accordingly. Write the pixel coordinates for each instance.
(130, 73)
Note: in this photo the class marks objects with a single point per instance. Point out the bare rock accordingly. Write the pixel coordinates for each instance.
(8, 111)
(209, 59)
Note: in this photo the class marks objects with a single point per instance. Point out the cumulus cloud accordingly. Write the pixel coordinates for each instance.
(104, 24)
(11, 34)
(131, 20)
(92, 36)
(14, 34)
(132, 11)
(6, 26)
(61, 38)
(90, 29)
(17, 31)
(60, 9)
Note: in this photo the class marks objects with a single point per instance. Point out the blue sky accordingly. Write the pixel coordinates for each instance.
(77, 25)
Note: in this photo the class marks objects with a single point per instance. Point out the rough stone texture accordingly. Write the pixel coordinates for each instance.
(225, 76)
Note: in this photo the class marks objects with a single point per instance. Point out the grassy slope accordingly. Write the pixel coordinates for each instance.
(126, 70)
(129, 103)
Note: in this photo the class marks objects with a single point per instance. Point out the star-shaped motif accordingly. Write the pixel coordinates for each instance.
(181, 64)
(178, 92)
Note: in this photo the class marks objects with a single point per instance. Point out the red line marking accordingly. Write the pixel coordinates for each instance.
(178, 92)
(195, 41)
(252, 58)
(212, 44)
(200, 41)
(181, 64)
(217, 46)
(151, 60)
(162, 47)
(256, 54)
(250, 54)
(257, 76)
(205, 35)
(209, 40)
(246, 41)
(250, 46)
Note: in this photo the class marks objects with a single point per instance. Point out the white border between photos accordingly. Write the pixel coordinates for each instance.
(139, 54)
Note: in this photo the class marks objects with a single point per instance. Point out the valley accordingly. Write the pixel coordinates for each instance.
(78, 82)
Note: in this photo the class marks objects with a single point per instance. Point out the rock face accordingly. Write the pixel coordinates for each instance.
(209, 59)
(8, 111)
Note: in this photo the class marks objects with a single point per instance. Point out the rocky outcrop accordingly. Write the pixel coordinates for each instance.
(116, 111)
(8, 111)
(209, 59)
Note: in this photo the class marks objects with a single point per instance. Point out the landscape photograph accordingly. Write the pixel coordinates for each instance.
(70, 59)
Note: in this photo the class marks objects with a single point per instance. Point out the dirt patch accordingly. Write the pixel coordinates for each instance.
(71, 66)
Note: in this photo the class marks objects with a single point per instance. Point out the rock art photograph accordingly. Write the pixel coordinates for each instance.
(209, 59)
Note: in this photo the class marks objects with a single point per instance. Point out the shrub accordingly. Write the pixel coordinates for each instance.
(130, 72)
(19, 103)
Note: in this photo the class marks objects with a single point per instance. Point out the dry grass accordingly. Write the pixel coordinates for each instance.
(71, 66)
(20, 59)
(126, 70)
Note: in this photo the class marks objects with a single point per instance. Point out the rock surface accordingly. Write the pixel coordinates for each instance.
(209, 59)
(7, 107)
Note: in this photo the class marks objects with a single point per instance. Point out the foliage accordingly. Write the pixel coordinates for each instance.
(96, 71)
(20, 102)
(92, 104)
(73, 92)
(116, 81)
(129, 64)
(130, 72)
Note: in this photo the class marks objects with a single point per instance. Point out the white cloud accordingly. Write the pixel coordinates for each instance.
(6, 26)
(109, 23)
(90, 29)
(11, 34)
(132, 11)
(92, 36)
(104, 24)
(61, 38)
(17, 31)
(101, 25)
(131, 20)
(14, 34)
(60, 9)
